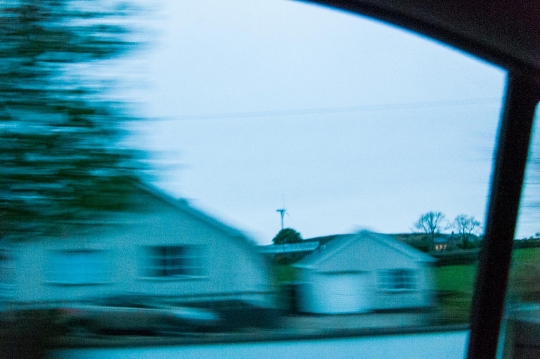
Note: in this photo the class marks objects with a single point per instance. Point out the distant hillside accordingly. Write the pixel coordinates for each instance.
(457, 255)
(416, 240)
(527, 243)
(420, 241)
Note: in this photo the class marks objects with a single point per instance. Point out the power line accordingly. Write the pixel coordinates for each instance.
(333, 110)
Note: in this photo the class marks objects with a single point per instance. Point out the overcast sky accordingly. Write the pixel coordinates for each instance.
(346, 122)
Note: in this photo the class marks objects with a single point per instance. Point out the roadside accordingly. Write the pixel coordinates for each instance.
(292, 328)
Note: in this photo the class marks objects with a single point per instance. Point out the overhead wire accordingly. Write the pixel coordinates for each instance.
(334, 110)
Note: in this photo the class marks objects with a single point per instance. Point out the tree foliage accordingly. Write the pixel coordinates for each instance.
(287, 235)
(430, 223)
(59, 136)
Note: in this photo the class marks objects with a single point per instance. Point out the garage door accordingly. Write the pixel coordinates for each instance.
(340, 293)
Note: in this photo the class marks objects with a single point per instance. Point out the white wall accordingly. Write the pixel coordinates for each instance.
(233, 265)
(369, 256)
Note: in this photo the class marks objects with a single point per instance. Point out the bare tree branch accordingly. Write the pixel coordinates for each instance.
(430, 223)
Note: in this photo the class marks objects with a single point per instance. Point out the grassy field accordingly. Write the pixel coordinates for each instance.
(524, 282)
(531, 255)
(454, 284)
(283, 273)
(459, 278)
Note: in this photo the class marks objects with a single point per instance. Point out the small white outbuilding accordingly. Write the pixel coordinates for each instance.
(364, 272)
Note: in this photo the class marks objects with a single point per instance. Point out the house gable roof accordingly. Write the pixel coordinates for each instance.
(142, 208)
(341, 242)
(306, 245)
(183, 205)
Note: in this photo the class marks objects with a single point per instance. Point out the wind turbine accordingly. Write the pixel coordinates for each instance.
(282, 212)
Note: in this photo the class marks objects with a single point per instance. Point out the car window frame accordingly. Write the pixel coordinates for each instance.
(521, 96)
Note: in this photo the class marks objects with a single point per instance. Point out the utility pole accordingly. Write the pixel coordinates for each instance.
(282, 213)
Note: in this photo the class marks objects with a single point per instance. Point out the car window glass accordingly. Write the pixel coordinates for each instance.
(344, 123)
(308, 173)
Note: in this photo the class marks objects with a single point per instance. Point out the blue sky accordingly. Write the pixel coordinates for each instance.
(345, 121)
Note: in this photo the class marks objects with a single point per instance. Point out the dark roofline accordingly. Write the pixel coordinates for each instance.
(325, 239)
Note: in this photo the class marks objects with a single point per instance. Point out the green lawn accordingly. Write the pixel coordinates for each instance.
(284, 273)
(526, 255)
(524, 285)
(454, 284)
(459, 278)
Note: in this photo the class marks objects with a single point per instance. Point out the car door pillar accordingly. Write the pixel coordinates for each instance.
(522, 96)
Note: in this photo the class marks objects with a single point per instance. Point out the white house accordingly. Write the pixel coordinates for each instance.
(364, 272)
(167, 249)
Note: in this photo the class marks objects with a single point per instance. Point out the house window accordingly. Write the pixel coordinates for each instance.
(6, 269)
(7, 276)
(77, 267)
(397, 280)
(440, 247)
(175, 261)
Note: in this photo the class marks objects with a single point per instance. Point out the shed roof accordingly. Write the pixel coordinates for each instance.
(341, 242)
(289, 247)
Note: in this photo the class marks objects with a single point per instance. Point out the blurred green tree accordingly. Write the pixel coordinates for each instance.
(61, 162)
(287, 235)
